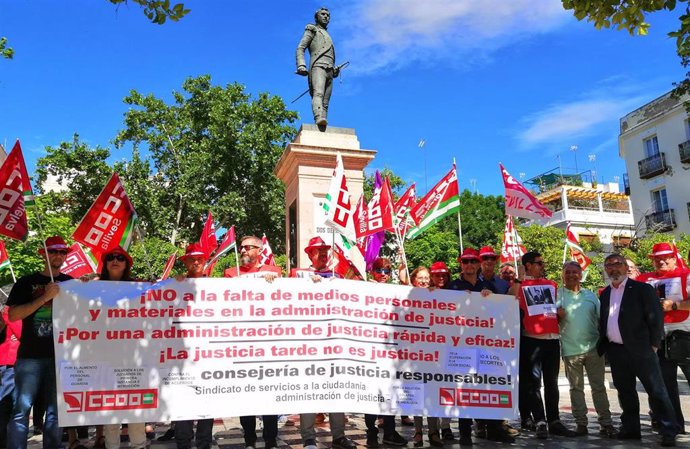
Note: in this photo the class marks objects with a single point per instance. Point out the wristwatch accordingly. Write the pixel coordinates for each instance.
(674, 306)
(517, 281)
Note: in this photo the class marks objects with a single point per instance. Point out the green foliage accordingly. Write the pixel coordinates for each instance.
(5, 51)
(158, 11)
(630, 16)
(214, 148)
(150, 255)
(78, 166)
(24, 256)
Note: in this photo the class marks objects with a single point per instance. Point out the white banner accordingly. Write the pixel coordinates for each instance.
(203, 348)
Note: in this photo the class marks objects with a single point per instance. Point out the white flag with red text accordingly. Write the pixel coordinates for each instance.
(513, 249)
(520, 202)
(402, 208)
(267, 257)
(337, 203)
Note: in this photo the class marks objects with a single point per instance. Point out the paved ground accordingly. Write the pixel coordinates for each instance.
(228, 433)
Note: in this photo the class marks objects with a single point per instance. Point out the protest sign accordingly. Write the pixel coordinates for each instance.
(203, 348)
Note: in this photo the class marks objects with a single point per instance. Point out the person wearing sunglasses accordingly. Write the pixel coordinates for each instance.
(250, 261)
(469, 281)
(380, 273)
(194, 260)
(250, 249)
(487, 273)
(540, 350)
(31, 302)
(117, 266)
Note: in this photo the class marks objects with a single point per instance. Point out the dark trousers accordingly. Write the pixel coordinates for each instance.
(184, 432)
(388, 424)
(6, 400)
(539, 359)
(669, 371)
(270, 433)
(644, 365)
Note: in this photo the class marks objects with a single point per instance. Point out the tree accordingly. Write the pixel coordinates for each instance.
(630, 15)
(214, 148)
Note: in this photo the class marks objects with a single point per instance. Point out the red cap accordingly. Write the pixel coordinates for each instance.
(315, 243)
(118, 250)
(54, 242)
(193, 250)
(487, 251)
(662, 249)
(469, 254)
(438, 267)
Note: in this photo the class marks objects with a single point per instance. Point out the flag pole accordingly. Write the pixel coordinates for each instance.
(41, 234)
(515, 243)
(140, 234)
(565, 245)
(332, 252)
(401, 243)
(14, 278)
(459, 221)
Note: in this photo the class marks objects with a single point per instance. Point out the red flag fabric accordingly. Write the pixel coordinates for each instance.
(228, 243)
(109, 221)
(378, 215)
(208, 239)
(267, 253)
(15, 195)
(576, 252)
(169, 266)
(402, 208)
(342, 265)
(358, 217)
(78, 263)
(520, 202)
(513, 249)
(4, 258)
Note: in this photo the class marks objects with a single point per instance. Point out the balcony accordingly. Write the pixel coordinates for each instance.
(662, 221)
(684, 149)
(652, 166)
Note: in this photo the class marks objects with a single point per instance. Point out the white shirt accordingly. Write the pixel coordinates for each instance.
(613, 333)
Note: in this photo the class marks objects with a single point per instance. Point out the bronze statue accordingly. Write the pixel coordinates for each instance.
(322, 68)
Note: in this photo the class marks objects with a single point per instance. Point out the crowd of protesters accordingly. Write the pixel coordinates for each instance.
(640, 322)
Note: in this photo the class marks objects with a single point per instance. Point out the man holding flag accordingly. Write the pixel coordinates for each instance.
(31, 302)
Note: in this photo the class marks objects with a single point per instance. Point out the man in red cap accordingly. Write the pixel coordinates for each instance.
(469, 281)
(319, 252)
(194, 260)
(31, 302)
(488, 259)
(671, 280)
(250, 261)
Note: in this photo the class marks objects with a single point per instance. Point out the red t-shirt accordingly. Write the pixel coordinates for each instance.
(538, 302)
(232, 272)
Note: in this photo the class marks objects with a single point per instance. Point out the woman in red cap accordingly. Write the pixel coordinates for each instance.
(117, 266)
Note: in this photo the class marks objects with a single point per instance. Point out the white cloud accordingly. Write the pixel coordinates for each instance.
(387, 34)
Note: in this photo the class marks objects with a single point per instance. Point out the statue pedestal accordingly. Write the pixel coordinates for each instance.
(306, 169)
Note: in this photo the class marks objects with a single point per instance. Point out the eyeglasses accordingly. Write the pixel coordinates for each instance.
(613, 264)
(62, 252)
(118, 257)
(383, 271)
(538, 262)
(491, 258)
(469, 261)
(249, 247)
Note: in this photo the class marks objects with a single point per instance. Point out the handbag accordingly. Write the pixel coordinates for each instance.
(678, 347)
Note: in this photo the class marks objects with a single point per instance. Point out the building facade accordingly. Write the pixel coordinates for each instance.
(654, 141)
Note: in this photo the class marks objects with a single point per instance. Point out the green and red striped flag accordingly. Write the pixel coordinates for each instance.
(441, 201)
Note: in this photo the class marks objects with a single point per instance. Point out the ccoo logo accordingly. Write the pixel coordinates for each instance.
(74, 401)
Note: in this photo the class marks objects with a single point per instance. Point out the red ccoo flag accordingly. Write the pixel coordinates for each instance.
(378, 215)
(109, 221)
(576, 252)
(15, 195)
(520, 202)
(402, 208)
(267, 257)
(513, 249)
(77, 263)
(208, 239)
(169, 266)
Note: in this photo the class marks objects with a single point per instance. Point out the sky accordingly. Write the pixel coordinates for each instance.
(520, 82)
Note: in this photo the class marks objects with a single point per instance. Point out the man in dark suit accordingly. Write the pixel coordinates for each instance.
(322, 68)
(631, 328)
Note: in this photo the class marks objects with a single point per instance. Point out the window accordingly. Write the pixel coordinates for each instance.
(659, 200)
(651, 146)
